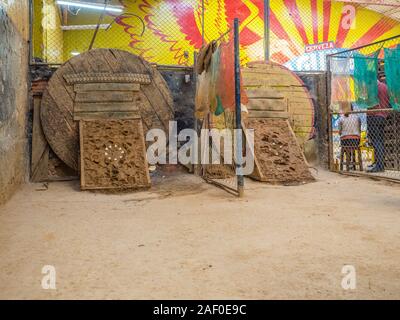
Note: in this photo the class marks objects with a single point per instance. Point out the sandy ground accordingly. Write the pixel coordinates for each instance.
(187, 239)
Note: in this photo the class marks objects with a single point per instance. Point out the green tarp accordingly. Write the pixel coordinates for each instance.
(392, 71)
(365, 80)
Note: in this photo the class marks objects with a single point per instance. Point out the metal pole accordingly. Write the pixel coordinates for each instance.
(238, 110)
(195, 166)
(202, 23)
(329, 112)
(98, 25)
(267, 29)
(31, 21)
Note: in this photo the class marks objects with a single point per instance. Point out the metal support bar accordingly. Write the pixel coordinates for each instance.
(267, 23)
(30, 41)
(98, 25)
(364, 46)
(202, 23)
(364, 111)
(330, 129)
(238, 109)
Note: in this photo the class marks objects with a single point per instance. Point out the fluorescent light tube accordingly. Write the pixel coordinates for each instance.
(84, 27)
(90, 5)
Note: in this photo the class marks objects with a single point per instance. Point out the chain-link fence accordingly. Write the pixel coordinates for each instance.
(166, 32)
(296, 33)
(304, 32)
(364, 102)
(152, 29)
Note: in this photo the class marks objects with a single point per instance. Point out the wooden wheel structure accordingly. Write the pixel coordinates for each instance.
(267, 83)
(154, 98)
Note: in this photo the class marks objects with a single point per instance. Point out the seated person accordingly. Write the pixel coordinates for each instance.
(350, 132)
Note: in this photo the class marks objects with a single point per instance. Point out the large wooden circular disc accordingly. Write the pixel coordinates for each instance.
(275, 77)
(155, 101)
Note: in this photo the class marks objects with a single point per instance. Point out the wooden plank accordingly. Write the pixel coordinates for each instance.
(268, 105)
(302, 129)
(305, 113)
(85, 87)
(104, 96)
(301, 119)
(268, 114)
(40, 147)
(257, 172)
(300, 107)
(106, 115)
(264, 93)
(249, 79)
(259, 65)
(105, 77)
(105, 107)
(81, 155)
(300, 96)
(262, 71)
(291, 89)
(144, 151)
(298, 145)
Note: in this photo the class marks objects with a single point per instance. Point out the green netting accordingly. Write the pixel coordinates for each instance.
(392, 72)
(365, 80)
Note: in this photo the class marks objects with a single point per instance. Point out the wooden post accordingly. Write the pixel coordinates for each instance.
(40, 148)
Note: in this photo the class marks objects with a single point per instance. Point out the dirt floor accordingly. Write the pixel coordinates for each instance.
(187, 239)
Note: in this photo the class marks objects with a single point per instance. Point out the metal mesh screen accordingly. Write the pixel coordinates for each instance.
(373, 150)
(216, 114)
(219, 168)
(365, 136)
(296, 33)
(304, 32)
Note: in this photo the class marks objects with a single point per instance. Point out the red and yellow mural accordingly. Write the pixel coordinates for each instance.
(302, 31)
(174, 28)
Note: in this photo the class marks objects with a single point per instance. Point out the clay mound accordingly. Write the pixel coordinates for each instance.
(279, 159)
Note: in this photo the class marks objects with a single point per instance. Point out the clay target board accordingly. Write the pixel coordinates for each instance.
(279, 158)
(154, 100)
(113, 155)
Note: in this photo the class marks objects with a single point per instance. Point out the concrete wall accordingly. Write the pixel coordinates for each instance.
(14, 35)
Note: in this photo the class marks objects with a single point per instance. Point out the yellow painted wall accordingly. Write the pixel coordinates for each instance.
(79, 40)
(52, 33)
(47, 37)
(173, 29)
(37, 29)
